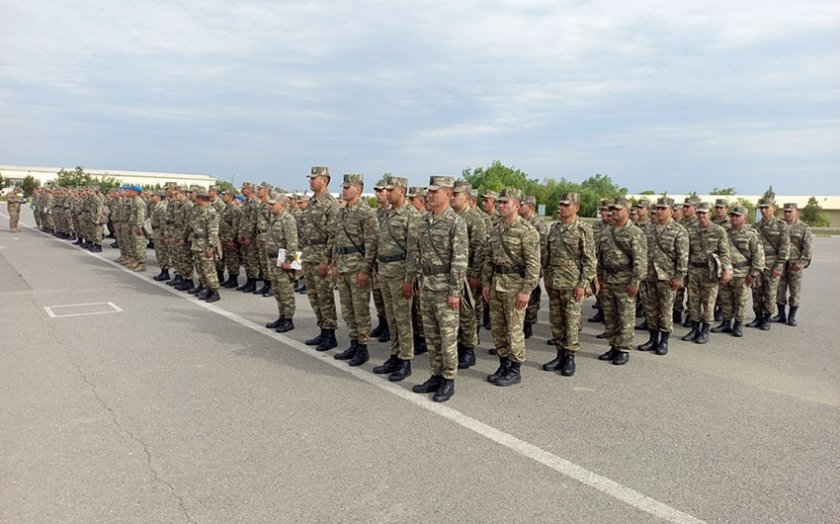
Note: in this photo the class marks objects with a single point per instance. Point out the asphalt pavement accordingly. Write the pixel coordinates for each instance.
(126, 401)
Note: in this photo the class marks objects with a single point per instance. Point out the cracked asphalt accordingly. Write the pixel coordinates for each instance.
(170, 411)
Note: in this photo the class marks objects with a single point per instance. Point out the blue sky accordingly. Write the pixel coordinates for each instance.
(662, 95)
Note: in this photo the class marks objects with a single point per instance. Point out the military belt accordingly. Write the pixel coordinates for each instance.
(504, 270)
(347, 250)
(622, 267)
(390, 258)
(436, 270)
(317, 241)
(699, 264)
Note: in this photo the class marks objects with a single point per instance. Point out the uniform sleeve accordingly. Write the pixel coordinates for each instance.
(588, 261)
(723, 246)
(331, 228)
(370, 231)
(478, 242)
(291, 236)
(783, 254)
(681, 248)
(807, 246)
(213, 229)
(487, 267)
(639, 258)
(757, 251)
(460, 251)
(412, 251)
(531, 253)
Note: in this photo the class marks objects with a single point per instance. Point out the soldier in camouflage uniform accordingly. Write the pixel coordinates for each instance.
(488, 207)
(688, 221)
(354, 256)
(622, 264)
(642, 209)
(218, 205)
(228, 232)
(182, 234)
(747, 254)
(382, 331)
(444, 246)
(397, 270)
(417, 200)
(261, 227)
(597, 229)
(511, 271)
(569, 266)
(158, 221)
(204, 242)
(721, 218)
(173, 241)
(667, 266)
(13, 207)
(248, 238)
(775, 236)
(303, 203)
(281, 234)
(320, 220)
(801, 240)
(98, 217)
(528, 211)
(705, 242)
(136, 220)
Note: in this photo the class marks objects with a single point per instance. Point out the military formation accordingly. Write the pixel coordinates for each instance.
(439, 267)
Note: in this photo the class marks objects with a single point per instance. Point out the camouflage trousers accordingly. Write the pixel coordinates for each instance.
(139, 249)
(281, 286)
(417, 314)
(398, 314)
(658, 304)
(355, 306)
(319, 290)
(533, 309)
(48, 221)
(77, 225)
(39, 218)
(440, 323)
(162, 251)
(506, 323)
(14, 217)
(205, 266)
(123, 241)
(250, 259)
(564, 317)
(467, 332)
(479, 308)
(789, 282)
(619, 315)
(679, 297)
(185, 261)
(732, 297)
(231, 259)
(702, 294)
(378, 299)
(764, 292)
(262, 258)
(98, 234)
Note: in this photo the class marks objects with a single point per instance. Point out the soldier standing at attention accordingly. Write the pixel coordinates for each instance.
(667, 266)
(488, 206)
(13, 207)
(688, 221)
(569, 264)
(598, 229)
(218, 205)
(247, 238)
(281, 234)
(183, 228)
(622, 261)
(775, 236)
(397, 261)
(303, 202)
(320, 220)
(528, 211)
(382, 331)
(204, 242)
(261, 219)
(747, 255)
(721, 218)
(479, 300)
(158, 221)
(801, 240)
(417, 200)
(444, 246)
(511, 271)
(136, 218)
(228, 231)
(709, 264)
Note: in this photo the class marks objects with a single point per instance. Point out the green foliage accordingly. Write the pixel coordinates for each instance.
(224, 185)
(495, 177)
(29, 185)
(811, 214)
(726, 191)
(746, 204)
(3, 182)
(648, 192)
(769, 193)
(78, 178)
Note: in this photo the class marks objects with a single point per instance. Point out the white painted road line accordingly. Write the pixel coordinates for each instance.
(51, 310)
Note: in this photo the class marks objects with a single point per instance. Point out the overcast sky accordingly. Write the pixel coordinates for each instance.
(664, 95)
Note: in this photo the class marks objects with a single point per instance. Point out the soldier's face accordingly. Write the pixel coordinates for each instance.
(396, 195)
(642, 212)
(459, 201)
(720, 212)
(767, 212)
(663, 214)
(688, 211)
(619, 216)
(303, 204)
(508, 208)
(318, 183)
(567, 210)
(736, 221)
(381, 196)
(703, 218)
(487, 205)
(790, 215)
(350, 192)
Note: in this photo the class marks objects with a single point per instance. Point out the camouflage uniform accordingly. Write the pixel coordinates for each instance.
(248, 233)
(219, 206)
(158, 221)
(376, 291)
(136, 220)
(703, 243)
(533, 309)
(228, 232)
(320, 220)
(477, 238)
(261, 220)
(173, 241)
(182, 232)
(775, 237)
(667, 248)
(13, 207)
(688, 224)
(281, 234)
(747, 254)
(801, 241)
(204, 243)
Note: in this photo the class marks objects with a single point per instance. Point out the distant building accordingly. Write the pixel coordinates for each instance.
(144, 178)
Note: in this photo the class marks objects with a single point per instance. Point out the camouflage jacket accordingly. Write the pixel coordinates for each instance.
(688, 224)
(204, 231)
(397, 253)
(775, 236)
(622, 255)
(229, 223)
(746, 252)
(319, 223)
(13, 202)
(248, 219)
(355, 238)
(261, 220)
(512, 264)
(801, 240)
(704, 242)
(137, 213)
(477, 235)
(158, 218)
(281, 233)
(443, 250)
(543, 229)
(569, 260)
(170, 218)
(218, 205)
(181, 228)
(667, 248)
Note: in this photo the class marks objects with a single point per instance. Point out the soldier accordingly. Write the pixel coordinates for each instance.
(99, 217)
(442, 237)
(528, 211)
(397, 262)
(417, 200)
(136, 220)
(173, 239)
(709, 264)
(281, 240)
(511, 271)
(775, 237)
(13, 207)
(247, 239)
(747, 254)
(801, 240)
(261, 227)
(688, 221)
(488, 206)
(642, 208)
(622, 260)
(722, 213)
(667, 266)
(303, 202)
(320, 220)
(182, 234)
(381, 331)
(477, 238)
(218, 205)
(228, 232)
(599, 227)
(354, 256)
(569, 266)
(204, 242)
(158, 221)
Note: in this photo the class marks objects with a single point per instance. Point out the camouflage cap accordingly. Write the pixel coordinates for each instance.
(319, 171)
(396, 181)
(268, 187)
(353, 178)
(462, 186)
(230, 192)
(489, 193)
(643, 202)
(509, 193)
(664, 202)
(738, 210)
(438, 181)
(604, 204)
(247, 185)
(619, 203)
(767, 202)
(721, 202)
(200, 192)
(703, 207)
(531, 200)
(691, 201)
(790, 206)
(416, 191)
(569, 198)
(213, 188)
(382, 183)
(277, 196)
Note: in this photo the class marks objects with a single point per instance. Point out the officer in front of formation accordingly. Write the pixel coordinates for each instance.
(13, 207)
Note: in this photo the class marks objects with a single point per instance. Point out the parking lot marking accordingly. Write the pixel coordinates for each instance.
(55, 311)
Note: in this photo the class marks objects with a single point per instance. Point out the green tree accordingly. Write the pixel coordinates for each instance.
(726, 191)
(495, 177)
(769, 193)
(648, 192)
(812, 214)
(29, 185)
(225, 185)
(3, 182)
(79, 178)
(746, 204)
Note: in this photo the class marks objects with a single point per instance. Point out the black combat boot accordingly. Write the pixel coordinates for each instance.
(185, 285)
(527, 330)
(691, 335)
(737, 329)
(314, 341)
(652, 342)
(231, 282)
(621, 358)
(197, 289)
(361, 356)
(781, 317)
(718, 314)
(348, 353)
(175, 281)
(380, 327)
(163, 275)
(504, 365)
(554, 365)
(610, 354)
(433, 384)
(485, 320)
(551, 342)
(266, 289)
(257, 289)
(677, 318)
(386, 334)
(511, 376)
(389, 366)
(221, 276)
(96, 248)
(213, 296)
(662, 347)
(287, 325)
(725, 326)
(567, 369)
(78, 242)
(302, 289)
(765, 322)
(703, 335)
(687, 322)
(599, 316)
(445, 392)
(419, 345)
(403, 370)
(759, 317)
(465, 359)
(791, 319)
(328, 341)
(249, 285)
(276, 323)
(639, 311)
(203, 294)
